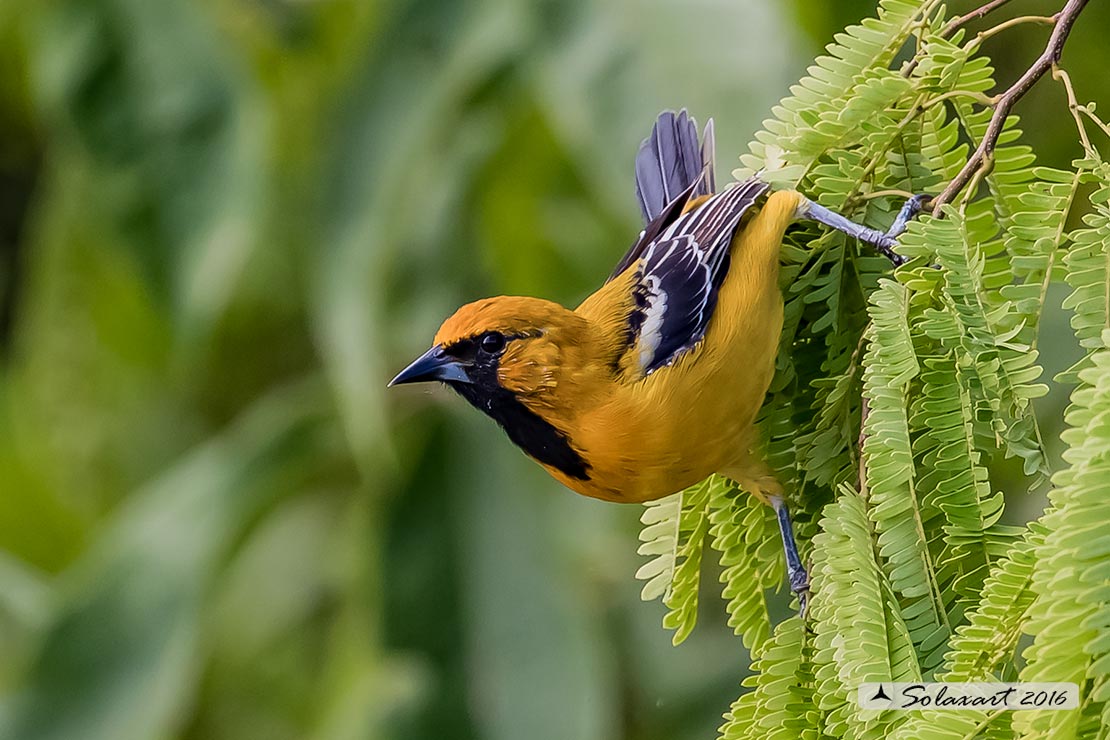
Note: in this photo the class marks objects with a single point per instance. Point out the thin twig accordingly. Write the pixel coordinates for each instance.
(1073, 108)
(981, 98)
(896, 192)
(1045, 20)
(1095, 119)
(918, 33)
(1077, 111)
(915, 110)
(977, 180)
(983, 155)
(974, 15)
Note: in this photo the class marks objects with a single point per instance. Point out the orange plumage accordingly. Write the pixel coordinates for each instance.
(653, 383)
(645, 436)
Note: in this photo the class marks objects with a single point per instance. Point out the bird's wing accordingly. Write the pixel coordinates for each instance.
(677, 279)
(651, 232)
(671, 169)
(670, 160)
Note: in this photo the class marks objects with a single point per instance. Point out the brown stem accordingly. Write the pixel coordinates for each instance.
(984, 153)
(974, 15)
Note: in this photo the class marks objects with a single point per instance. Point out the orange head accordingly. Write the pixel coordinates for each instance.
(515, 343)
(517, 360)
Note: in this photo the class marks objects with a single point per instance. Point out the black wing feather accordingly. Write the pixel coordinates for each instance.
(652, 231)
(671, 168)
(680, 274)
(674, 271)
(669, 161)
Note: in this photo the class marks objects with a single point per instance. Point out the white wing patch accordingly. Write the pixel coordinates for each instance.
(675, 291)
(651, 334)
(679, 273)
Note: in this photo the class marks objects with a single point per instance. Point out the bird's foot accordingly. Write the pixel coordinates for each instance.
(910, 209)
(795, 571)
(799, 585)
(884, 245)
(882, 241)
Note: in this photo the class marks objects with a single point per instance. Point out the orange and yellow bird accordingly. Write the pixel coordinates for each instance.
(653, 382)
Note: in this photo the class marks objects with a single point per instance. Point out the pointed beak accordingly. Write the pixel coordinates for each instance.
(435, 364)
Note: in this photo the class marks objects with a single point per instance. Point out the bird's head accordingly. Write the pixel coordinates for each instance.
(503, 344)
(521, 361)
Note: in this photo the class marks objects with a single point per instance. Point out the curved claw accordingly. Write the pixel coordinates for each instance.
(885, 246)
(800, 587)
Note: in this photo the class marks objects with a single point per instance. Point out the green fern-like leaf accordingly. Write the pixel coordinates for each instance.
(660, 542)
(675, 538)
(810, 118)
(861, 636)
(899, 512)
(1087, 268)
(828, 451)
(1072, 603)
(914, 575)
(981, 327)
(944, 413)
(982, 647)
(1035, 233)
(745, 533)
(779, 705)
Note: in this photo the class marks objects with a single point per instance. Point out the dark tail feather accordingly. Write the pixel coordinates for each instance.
(708, 153)
(670, 160)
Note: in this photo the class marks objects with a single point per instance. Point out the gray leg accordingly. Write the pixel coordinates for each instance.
(910, 208)
(883, 242)
(795, 571)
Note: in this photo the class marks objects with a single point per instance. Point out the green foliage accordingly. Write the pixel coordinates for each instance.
(860, 632)
(675, 531)
(223, 224)
(1071, 604)
(781, 701)
(745, 533)
(1087, 270)
(914, 573)
(160, 558)
(900, 510)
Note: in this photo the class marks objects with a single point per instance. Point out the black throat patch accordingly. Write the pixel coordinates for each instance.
(527, 429)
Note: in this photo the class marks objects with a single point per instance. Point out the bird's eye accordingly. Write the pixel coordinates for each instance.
(492, 342)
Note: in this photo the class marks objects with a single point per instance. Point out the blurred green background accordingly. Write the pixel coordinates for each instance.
(224, 224)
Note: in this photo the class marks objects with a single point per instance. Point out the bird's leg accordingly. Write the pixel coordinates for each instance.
(910, 208)
(795, 571)
(883, 242)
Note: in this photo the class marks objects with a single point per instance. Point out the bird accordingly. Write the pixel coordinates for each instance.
(653, 382)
